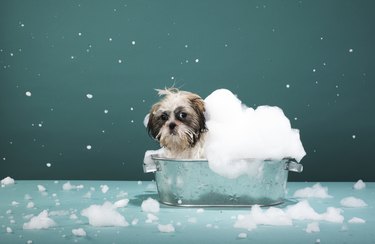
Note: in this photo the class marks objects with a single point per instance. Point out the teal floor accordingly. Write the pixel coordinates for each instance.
(213, 225)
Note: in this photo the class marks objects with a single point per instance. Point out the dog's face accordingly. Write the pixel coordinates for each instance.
(177, 121)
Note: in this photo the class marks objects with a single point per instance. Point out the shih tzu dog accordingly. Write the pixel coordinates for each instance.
(179, 124)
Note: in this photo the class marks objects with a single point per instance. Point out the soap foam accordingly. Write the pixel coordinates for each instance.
(42, 221)
(237, 132)
(79, 232)
(316, 191)
(150, 206)
(356, 220)
(7, 181)
(166, 228)
(353, 202)
(275, 216)
(359, 185)
(104, 215)
(68, 186)
(313, 227)
(121, 203)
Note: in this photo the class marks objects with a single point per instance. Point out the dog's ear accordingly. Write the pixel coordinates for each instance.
(197, 104)
(154, 125)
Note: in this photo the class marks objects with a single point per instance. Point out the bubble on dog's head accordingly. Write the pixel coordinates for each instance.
(177, 121)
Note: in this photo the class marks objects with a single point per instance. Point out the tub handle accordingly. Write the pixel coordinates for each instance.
(150, 167)
(294, 166)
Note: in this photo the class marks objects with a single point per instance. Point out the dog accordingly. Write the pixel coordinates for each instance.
(178, 123)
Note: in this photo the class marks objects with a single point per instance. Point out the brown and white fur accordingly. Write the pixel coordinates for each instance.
(178, 123)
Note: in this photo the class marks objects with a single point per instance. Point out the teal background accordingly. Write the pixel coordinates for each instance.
(314, 59)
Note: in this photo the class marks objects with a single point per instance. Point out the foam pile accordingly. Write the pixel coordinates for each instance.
(356, 220)
(359, 185)
(353, 202)
(166, 228)
(42, 221)
(316, 191)
(313, 227)
(68, 186)
(104, 215)
(7, 181)
(121, 203)
(150, 206)
(79, 232)
(237, 132)
(276, 216)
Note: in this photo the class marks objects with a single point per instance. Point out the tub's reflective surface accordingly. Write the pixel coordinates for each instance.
(192, 183)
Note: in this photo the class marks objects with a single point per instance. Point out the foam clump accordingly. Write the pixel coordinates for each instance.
(7, 181)
(272, 216)
(316, 191)
(166, 228)
(238, 132)
(353, 202)
(121, 203)
(275, 216)
(151, 218)
(356, 220)
(42, 221)
(150, 206)
(359, 185)
(68, 186)
(104, 215)
(313, 227)
(104, 188)
(41, 188)
(79, 232)
(303, 211)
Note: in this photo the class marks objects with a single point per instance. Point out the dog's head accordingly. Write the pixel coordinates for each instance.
(177, 121)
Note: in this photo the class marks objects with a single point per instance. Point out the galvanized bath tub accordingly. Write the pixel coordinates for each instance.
(191, 183)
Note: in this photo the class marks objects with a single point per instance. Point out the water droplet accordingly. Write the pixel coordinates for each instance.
(88, 147)
(28, 94)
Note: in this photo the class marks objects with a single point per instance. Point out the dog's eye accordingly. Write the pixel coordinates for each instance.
(164, 116)
(182, 115)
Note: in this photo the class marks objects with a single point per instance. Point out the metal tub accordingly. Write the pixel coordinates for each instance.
(191, 183)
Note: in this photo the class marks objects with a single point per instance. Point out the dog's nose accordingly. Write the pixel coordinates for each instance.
(172, 125)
